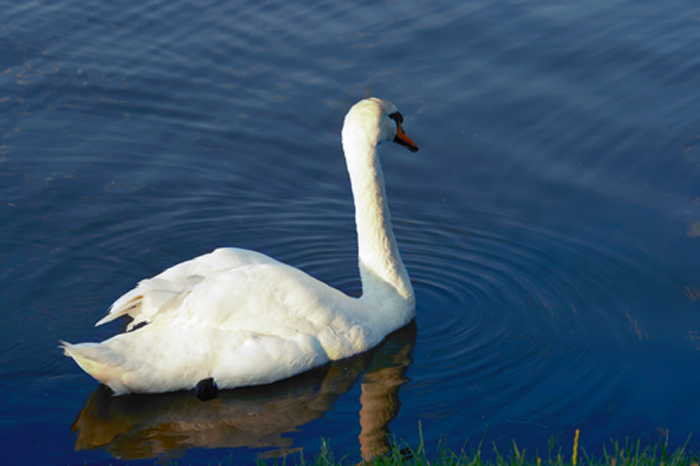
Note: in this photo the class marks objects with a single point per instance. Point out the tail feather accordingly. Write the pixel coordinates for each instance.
(104, 364)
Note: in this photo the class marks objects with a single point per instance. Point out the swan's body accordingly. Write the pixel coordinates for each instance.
(242, 318)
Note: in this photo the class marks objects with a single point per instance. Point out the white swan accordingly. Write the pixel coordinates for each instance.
(241, 318)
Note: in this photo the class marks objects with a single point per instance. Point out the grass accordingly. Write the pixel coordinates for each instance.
(631, 454)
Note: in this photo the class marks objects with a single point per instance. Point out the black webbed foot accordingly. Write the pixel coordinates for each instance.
(206, 389)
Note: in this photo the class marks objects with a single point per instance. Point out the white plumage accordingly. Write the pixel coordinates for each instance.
(243, 318)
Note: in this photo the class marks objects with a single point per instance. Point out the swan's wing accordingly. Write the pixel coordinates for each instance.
(167, 290)
(251, 293)
(271, 298)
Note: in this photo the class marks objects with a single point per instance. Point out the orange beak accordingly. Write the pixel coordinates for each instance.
(402, 139)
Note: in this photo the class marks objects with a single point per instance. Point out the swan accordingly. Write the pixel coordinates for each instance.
(234, 317)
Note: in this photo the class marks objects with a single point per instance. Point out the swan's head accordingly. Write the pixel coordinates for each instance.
(376, 120)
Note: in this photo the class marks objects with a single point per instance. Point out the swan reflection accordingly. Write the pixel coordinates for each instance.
(146, 426)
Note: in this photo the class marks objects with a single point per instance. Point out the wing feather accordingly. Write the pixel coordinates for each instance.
(167, 290)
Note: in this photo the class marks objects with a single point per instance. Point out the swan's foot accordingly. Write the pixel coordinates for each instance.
(206, 389)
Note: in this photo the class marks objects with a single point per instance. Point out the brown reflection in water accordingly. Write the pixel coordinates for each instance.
(146, 426)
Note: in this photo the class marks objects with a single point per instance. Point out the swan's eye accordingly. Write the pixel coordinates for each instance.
(397, 117)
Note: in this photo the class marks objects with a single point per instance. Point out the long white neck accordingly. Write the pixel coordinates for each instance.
(385, 282)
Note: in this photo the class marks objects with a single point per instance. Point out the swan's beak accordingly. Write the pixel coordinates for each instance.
(404, 140)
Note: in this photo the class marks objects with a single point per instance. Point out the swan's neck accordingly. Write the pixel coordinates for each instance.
(385, 282)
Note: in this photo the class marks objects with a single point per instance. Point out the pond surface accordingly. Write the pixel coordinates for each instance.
(550, 221)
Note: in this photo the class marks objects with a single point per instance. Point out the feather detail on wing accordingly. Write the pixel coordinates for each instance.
(166, 290)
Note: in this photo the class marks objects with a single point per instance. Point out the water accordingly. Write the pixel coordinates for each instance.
(550, 222)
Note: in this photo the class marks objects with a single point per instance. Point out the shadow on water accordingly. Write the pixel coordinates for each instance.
(147, 426)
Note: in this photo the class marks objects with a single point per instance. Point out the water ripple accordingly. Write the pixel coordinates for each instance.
(507, 307)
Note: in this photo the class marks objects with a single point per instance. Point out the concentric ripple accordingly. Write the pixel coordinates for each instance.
(519, 324)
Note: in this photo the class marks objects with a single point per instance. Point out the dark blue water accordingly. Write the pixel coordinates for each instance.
(550, 222)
